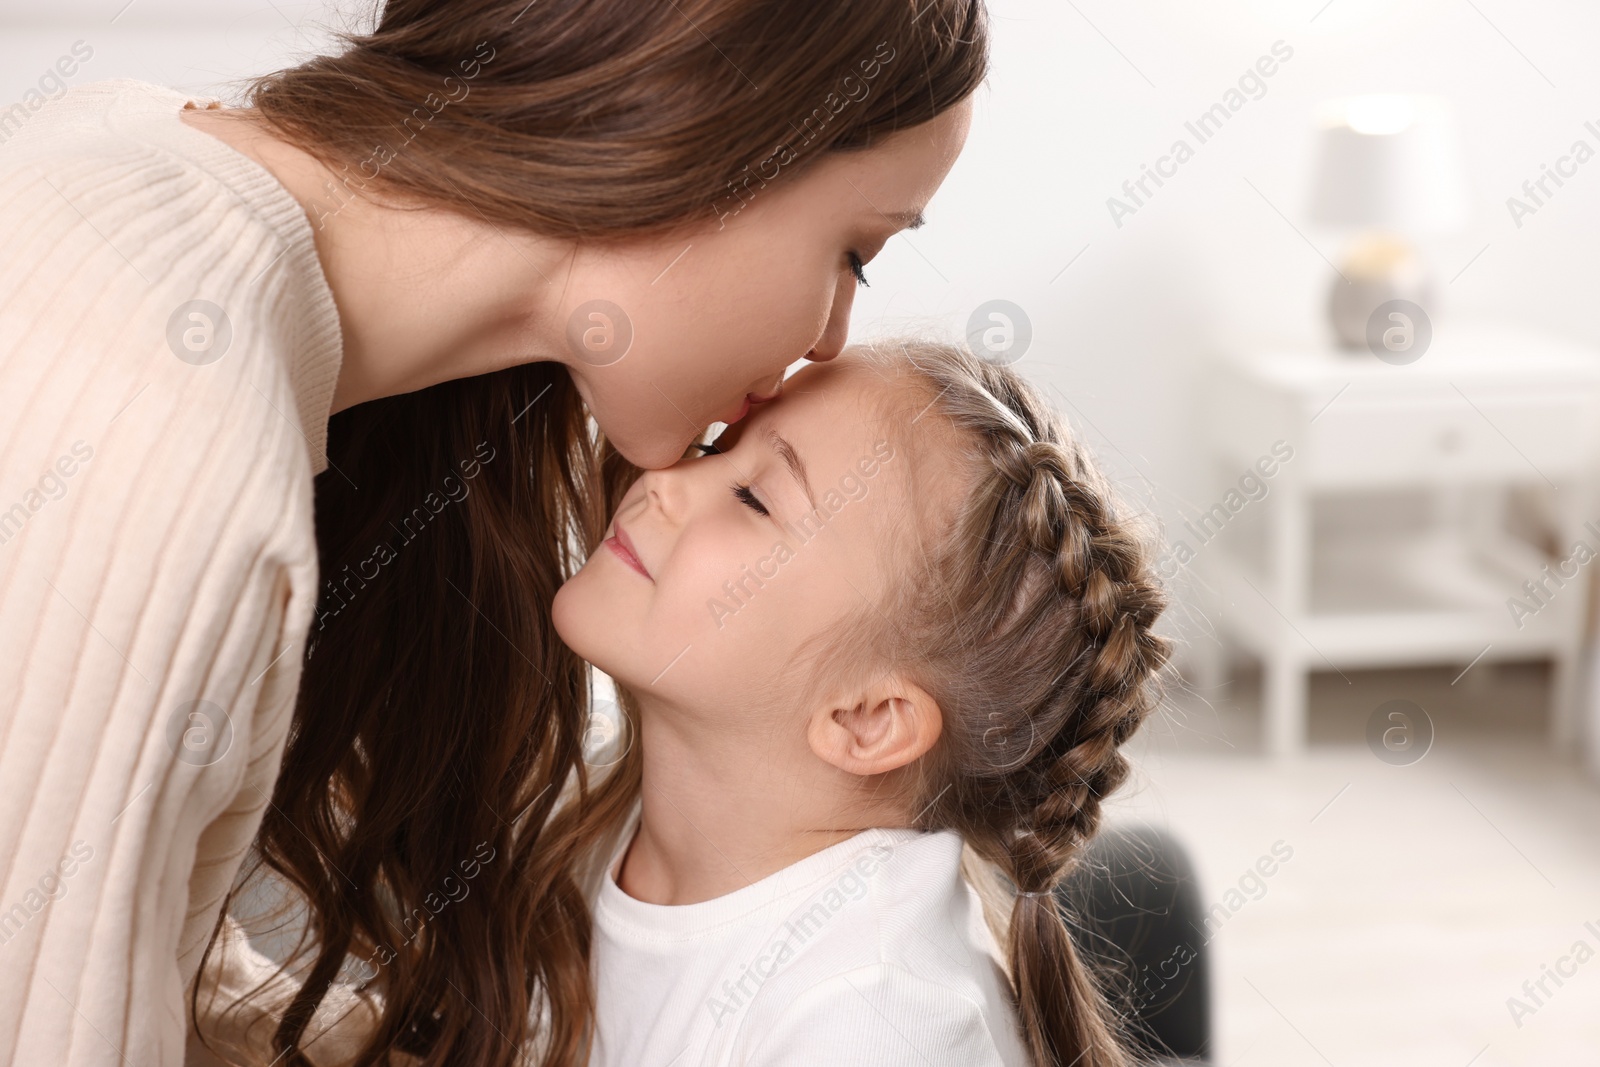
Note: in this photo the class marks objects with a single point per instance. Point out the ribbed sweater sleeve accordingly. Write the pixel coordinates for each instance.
(158, 566)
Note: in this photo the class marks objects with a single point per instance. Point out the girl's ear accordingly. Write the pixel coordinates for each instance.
(883, 728)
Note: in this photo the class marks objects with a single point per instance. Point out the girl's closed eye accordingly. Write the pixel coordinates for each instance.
(748, 499)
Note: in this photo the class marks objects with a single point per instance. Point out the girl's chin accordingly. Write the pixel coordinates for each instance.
(568, 614)
(587, 632)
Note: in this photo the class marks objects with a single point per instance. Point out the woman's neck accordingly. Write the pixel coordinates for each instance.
(425, 295)
(721, 811)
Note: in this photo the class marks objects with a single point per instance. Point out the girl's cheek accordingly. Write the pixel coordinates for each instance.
(714, 582)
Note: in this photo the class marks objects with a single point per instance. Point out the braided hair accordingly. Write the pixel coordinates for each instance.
(1030, 623)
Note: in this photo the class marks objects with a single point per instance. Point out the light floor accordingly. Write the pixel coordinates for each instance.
(1418, 898)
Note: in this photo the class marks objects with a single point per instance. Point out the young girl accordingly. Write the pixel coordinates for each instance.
(882, 642)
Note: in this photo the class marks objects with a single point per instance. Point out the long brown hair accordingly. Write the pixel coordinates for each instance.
(1029, 619)
(440, 717)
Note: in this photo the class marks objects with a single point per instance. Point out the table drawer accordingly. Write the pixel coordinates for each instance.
(1399, 441)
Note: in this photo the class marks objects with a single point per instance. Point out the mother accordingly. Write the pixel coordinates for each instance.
(481, 224)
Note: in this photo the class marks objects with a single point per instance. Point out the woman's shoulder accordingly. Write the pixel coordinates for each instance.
(149, 271)
(117, 124)
(41, 121)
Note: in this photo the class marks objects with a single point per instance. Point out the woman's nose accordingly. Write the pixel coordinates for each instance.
(837, 331)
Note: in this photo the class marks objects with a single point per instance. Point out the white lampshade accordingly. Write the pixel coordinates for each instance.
(1391, 163)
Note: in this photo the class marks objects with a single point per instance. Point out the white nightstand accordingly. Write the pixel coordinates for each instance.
(1477, 416)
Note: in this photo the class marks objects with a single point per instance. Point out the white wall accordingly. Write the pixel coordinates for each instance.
(197, 45)
(1082, 94)
(1207, 263)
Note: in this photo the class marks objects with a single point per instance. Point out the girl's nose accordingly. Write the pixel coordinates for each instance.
(666, 490)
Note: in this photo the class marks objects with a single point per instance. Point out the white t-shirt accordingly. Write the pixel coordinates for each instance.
(873, 951)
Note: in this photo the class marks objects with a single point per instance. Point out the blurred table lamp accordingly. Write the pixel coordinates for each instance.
(1391, 166)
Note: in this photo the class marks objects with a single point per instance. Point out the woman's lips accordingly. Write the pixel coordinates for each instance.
(751, 399)
(622, 545)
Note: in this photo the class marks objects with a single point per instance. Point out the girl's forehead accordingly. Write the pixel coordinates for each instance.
(850, 387)
(831, 411)
(850, 418)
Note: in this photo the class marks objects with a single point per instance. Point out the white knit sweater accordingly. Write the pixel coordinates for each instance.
(156, 550)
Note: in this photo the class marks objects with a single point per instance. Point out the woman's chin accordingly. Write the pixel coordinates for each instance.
(653, 450)
(661, 454)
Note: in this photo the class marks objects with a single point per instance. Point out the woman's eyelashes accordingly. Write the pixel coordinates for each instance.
(746, 497)
(858, 268)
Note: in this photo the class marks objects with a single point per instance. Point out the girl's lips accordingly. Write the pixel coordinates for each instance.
(622, 545)
(744, 409)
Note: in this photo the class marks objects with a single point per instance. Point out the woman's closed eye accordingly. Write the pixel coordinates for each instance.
(746, 497)
(858, 268)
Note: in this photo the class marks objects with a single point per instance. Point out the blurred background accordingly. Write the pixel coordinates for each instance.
(1378, 549)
